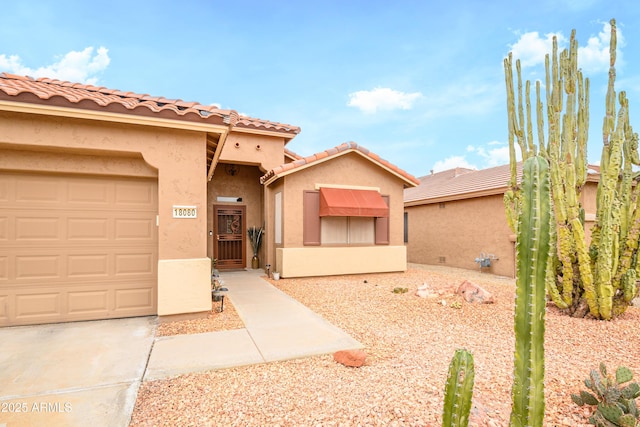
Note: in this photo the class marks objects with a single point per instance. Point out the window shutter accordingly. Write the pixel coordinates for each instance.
(311, 218)
(382, 226)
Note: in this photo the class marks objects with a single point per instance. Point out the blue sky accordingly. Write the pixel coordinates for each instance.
(420, 83)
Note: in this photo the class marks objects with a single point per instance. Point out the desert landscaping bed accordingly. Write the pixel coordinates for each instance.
(409, 342)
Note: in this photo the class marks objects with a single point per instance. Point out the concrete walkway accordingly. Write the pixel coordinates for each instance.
(277, 327)
(88, 373)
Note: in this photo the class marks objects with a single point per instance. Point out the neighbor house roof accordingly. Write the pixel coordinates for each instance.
(45, 91)
(461, 183)
(340, 150)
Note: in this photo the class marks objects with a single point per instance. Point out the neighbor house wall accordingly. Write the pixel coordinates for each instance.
(295, 259)
(177, 158)
(455, 233)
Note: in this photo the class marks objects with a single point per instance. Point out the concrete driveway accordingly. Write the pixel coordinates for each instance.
(73, 374)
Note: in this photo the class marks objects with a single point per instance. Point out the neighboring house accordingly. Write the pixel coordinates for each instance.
(457, 216)
(112, 204)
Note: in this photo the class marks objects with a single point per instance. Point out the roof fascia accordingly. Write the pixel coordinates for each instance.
(77, 113)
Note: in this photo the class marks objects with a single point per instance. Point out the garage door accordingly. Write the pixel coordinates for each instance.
(76, 248)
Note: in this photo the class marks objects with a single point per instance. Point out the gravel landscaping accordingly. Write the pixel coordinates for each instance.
(409, 342)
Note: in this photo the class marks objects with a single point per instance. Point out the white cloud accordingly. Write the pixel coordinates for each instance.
(593, 57)
(494, 153)
(495, 156)
(83, 66)
(531, 49)
(370, 101)
(451, 163)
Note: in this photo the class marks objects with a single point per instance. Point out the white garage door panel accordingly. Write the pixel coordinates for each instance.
(76, 248)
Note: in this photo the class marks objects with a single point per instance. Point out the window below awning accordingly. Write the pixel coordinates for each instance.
(348, 202)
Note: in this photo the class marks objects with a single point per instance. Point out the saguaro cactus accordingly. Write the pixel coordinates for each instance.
(599, 279)
(532, 248)
(459, 390)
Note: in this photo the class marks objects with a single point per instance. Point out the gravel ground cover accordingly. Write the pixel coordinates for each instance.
(214, 321)
(409, 342)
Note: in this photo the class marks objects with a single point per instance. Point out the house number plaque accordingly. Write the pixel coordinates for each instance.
(185, 211)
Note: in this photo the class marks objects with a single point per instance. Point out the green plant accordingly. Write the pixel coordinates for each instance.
(456, 304)
(532, 248)
(255, 238)
(599, 279)
(459, 390)
(614, 401)
(400, 290)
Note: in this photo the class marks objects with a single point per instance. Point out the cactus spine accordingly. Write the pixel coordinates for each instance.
(459, 389)
(532, 248)
(599, 279)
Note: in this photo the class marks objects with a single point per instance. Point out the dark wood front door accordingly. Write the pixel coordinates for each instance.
(229, 236)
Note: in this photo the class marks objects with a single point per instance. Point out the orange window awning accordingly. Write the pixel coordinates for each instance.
(347, 202)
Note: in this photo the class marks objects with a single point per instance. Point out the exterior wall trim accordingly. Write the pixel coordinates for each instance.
(347, 187)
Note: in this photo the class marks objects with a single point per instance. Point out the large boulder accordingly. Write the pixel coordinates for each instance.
(351, 358)
(474, 293)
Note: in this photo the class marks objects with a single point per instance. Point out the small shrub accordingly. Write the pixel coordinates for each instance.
(400, 290)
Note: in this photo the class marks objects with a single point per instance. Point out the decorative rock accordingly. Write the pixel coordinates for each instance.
(474, 293)
(424, 291)
(352, 358)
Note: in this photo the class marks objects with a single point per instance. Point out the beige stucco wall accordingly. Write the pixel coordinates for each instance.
(245, 184)
(252, 149)
(330, 261)
(185, 286)
(347, 170)
(270, 245)
(463, 229)
(176, 157)
(459, 232)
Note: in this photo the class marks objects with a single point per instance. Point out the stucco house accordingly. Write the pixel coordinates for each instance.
(457, 217)
(113, 204)
(343, 213)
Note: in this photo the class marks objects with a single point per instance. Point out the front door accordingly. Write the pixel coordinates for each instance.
(229, 236)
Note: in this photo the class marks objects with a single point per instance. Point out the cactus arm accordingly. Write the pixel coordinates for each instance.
(552, 260)
(532, 244)
(459, 390)
(583, 130)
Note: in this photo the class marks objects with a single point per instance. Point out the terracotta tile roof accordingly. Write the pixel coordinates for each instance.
(460, 183)
(340, 150)
(76, 95)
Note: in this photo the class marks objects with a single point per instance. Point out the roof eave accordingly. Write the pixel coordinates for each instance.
(108, 116)
(288, 136)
